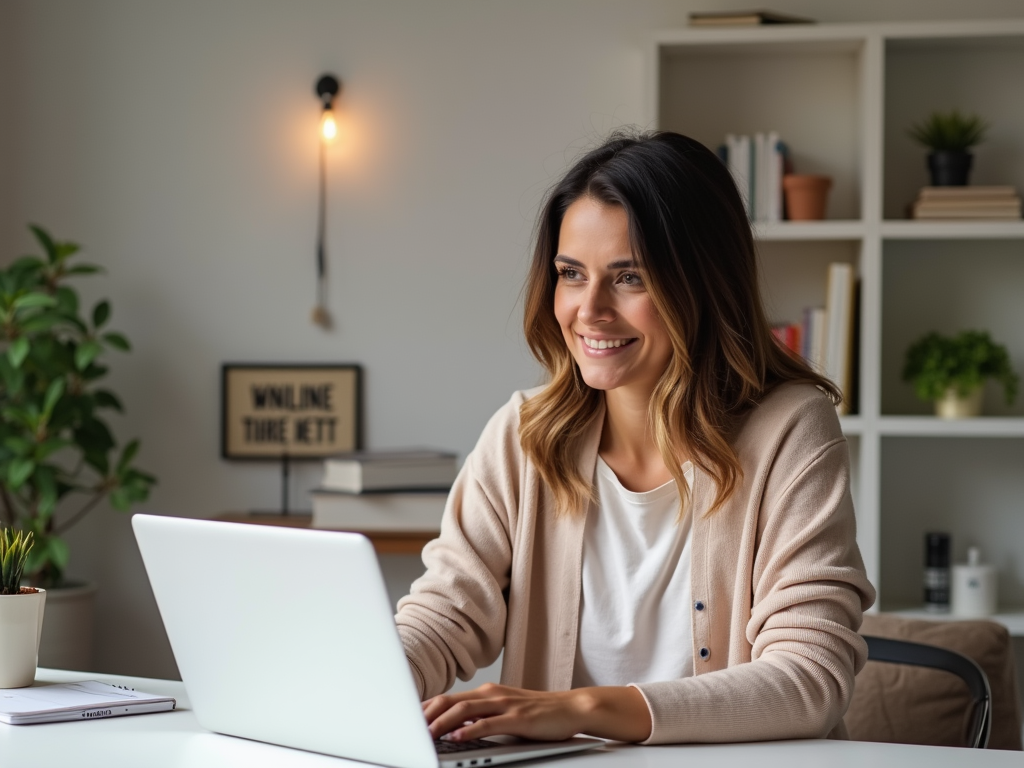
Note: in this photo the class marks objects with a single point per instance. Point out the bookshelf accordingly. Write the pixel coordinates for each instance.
(842, 97)
(384, 542)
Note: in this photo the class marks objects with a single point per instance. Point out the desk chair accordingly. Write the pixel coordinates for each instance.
(902, 696)
(933, 657)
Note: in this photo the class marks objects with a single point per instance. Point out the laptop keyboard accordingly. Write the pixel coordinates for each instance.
(450, 747)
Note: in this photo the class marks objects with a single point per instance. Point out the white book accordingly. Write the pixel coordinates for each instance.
(760, 202)
(363, 471)
(839, 329)
(816, 342)
(740, 167)
(412, 511)
(89, 700)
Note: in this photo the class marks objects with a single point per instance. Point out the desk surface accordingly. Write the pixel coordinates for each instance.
(175, 740)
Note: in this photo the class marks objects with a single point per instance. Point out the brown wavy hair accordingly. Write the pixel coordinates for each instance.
(691, 238)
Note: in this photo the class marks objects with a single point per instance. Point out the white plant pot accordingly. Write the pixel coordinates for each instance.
(952, 406)
(67, 636)
(21, 624)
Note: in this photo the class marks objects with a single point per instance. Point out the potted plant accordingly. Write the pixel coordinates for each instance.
(21, 612)
(949, 136)
(951, 371)
(58, 457)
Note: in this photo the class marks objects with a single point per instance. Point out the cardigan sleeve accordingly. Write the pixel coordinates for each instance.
(808, 591)
(452, 623)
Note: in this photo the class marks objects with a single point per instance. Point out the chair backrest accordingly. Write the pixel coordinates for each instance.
(922, 655)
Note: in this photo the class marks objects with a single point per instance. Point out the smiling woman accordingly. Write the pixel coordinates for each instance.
(662, 538)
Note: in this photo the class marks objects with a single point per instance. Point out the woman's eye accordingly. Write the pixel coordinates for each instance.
(631, 279)
(568, 273)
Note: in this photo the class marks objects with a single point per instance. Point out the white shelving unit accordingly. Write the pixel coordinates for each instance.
(842, 97)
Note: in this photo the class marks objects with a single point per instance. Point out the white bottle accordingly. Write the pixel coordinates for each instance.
(974, 588)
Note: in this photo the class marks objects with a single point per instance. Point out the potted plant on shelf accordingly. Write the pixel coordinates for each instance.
(21, 612)
(951, 371)
(58, 457)
(949, 136)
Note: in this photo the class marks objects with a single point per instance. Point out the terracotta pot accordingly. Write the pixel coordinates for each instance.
(21, 623)
(806, 196)
(953, 406)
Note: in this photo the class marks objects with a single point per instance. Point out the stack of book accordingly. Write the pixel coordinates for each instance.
(826, 336)
(384, 490)
(987, 203)
(757, 165)
(743, 18)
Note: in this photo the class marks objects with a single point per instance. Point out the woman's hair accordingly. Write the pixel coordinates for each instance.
(690, 236)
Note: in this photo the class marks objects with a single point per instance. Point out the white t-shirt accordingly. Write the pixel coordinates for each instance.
(635, 603)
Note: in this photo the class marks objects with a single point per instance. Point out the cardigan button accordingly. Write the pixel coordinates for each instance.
(705, 653)
(699, 605)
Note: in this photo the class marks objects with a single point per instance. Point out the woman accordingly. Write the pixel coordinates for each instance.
(661, 539)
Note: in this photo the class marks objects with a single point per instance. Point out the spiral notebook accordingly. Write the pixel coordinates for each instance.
(89, 700)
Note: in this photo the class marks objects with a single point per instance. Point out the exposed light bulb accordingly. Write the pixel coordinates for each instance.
(328, 126)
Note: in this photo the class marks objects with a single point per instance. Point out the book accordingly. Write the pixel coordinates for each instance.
(363, 471)
(738, 151)
(743, 18)
(986, 203)
(966, 193)
(89, 700)
(839, 331)
(757, 164)
(404, 511)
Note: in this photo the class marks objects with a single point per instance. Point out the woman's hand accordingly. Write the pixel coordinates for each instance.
(618, 713)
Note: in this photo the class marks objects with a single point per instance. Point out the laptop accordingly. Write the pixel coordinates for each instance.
(287, 636)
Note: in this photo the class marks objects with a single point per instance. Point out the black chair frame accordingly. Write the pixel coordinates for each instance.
(921, 655)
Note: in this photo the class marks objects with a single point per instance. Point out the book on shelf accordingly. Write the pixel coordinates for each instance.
(398, 511)
(805, 339)
(751, 18)
(840, 314)
(985, 203)
(757, 165)
(362, 471)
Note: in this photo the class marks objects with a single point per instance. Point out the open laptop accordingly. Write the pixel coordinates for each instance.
(287, 636)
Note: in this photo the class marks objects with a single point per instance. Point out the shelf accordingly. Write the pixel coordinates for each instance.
(952, 230)
(809, 230)
(384, 542)
(930, 426)
(1013, 620)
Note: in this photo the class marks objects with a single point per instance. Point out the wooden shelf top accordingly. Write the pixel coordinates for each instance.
(384, 542)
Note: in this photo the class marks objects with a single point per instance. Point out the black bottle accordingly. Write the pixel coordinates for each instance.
(936, 572)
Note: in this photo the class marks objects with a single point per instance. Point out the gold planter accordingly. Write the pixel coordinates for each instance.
(954, 406)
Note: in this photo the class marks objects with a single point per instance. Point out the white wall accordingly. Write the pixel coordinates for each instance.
(176, 141)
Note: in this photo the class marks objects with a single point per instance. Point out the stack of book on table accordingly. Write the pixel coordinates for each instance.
(987, 203)
(384, 490)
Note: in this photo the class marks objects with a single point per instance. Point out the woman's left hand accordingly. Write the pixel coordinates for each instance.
(618, 713)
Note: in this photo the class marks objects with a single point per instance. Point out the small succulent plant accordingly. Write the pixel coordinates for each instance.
(949, 131)
(14, 548)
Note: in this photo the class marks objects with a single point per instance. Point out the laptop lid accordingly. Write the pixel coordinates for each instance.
(286, 636)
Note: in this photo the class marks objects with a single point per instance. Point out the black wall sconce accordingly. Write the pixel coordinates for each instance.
(327, 88)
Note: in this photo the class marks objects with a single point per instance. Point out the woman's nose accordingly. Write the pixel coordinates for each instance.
(596, 305)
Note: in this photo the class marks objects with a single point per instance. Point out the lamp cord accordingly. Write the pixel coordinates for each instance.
(321, 258)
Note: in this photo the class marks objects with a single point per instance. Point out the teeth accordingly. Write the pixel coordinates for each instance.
(604, 343)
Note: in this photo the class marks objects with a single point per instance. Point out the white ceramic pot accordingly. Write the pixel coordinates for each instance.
(67, 635)
(21, 624)
(952, 406)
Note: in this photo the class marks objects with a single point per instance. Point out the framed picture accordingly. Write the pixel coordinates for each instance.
(273, 411)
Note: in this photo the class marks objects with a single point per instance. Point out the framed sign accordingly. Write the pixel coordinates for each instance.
(293, 411)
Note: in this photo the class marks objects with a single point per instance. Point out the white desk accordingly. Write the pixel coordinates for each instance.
(175, 740)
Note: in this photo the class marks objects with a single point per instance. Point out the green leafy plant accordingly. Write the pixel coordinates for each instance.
(937, 363)
(58, 457)
(952, 131)
(14, 548)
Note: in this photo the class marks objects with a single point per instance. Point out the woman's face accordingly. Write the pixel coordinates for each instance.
(601, 302)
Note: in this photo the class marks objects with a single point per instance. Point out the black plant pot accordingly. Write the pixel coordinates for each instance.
(950, 168)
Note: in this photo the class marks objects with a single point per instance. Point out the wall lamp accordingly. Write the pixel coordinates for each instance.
(327, 87)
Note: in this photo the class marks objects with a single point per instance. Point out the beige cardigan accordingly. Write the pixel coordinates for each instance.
(776, 572)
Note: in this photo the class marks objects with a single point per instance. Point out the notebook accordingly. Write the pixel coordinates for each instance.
(288, 636)
(88, 700)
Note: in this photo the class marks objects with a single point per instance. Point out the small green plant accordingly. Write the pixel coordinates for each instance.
(14, 549)
(58, 457)
(937, 363)
(949, 131)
